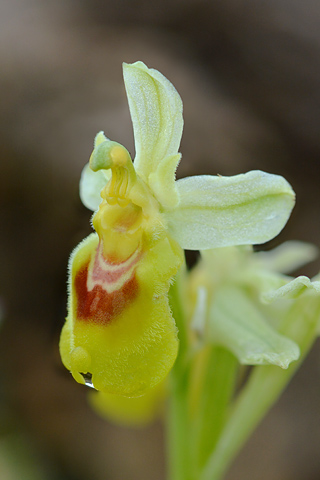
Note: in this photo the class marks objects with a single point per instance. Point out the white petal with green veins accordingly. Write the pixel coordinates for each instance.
(235, 323)
(156, 113)
(91, 184)
(219, 211)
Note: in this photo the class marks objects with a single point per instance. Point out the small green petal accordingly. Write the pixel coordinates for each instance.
(251, 208)
(236, 324)
(156, 112)
(163, 183)
(293, 289)
(91, 184)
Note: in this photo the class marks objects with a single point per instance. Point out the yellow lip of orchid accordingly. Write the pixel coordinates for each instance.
(119, 332)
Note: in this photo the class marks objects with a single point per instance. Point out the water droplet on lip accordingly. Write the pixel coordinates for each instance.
(87, 377)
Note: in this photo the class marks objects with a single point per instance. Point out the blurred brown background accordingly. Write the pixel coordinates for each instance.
(248, 72)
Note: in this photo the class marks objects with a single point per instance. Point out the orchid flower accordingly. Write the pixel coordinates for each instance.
(120, 335)
(247, 326)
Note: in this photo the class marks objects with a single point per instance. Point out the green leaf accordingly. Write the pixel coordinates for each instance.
(235, 323)
(156, 113)
(251, 208)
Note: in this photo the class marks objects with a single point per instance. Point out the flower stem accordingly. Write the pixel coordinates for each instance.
(177, 419)
(178, 432)
(212, 409)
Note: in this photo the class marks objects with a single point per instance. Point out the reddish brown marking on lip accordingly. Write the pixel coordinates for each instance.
(99, 306)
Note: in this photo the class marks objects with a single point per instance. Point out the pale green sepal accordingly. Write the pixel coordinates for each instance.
(91, 184)
(235, 323)
(251, 208)
(287, 257)
(163, 183)
(293, 289)
(156, 113)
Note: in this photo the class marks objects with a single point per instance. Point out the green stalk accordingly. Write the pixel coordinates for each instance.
(177, 427)
(263, 388)
(178, 431)
(217, 390)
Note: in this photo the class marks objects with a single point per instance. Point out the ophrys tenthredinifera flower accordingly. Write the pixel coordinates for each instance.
(120, 332)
